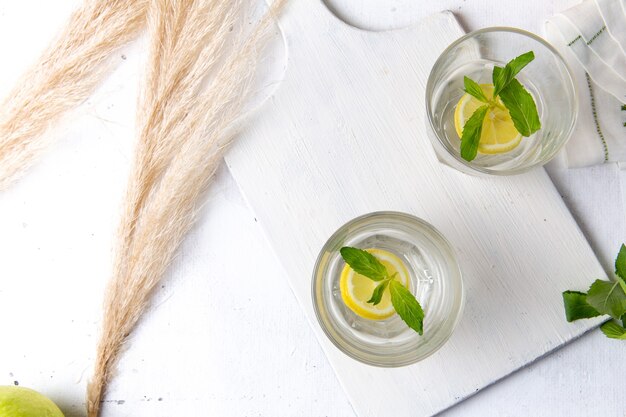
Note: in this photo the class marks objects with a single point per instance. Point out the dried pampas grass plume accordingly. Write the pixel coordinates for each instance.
(198, 77)
(63, 77)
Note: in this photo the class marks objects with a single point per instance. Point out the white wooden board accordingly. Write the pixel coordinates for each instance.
(344, 135)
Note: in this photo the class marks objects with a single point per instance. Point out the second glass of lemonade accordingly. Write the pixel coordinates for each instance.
(547, 78)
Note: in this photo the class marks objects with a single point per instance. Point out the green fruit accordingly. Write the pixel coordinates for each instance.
(24, 402)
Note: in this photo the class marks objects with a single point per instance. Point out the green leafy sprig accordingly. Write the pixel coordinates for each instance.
(508, 93)
(403, 301)
(603, 297)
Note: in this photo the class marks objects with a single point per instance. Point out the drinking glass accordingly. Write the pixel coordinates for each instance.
(434, 280)
(547, 78)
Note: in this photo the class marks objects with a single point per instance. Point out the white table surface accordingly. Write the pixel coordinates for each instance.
(246, 349)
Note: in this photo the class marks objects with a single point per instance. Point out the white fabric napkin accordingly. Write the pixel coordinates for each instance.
(591, 37)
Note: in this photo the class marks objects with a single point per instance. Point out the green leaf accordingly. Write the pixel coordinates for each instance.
(522, 108)
(576, 306)
(499, 77)
(377, 295)
(472, 88)
(608, 298)
(503, 76)
(613, 330)
(364, 263)
(620, 262)
(471, 133)
(620, 267)
(518, 63)
(407, 306)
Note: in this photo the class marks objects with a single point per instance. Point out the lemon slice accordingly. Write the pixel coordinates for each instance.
(498, 134)
(356, 289)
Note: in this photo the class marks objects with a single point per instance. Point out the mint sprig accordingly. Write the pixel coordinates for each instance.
(603, 297)
(403, 301)
(508, 93)
(503, 76)
(521, 107)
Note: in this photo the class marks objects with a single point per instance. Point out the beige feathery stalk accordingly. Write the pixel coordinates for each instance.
(198, 79)
(63, 77)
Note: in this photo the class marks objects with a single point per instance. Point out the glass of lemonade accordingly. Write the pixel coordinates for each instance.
(547, 78)
(427, 267)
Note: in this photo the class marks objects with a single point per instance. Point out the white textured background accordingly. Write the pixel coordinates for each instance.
(243, 349)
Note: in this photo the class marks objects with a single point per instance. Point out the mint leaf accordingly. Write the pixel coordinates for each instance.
(613, 330)
(377, 295)
(471, 133)
(576, 306)
(608, 298)
(521, 107)
(503, 76)
(407, 306)
(620, 262)
(604, 297)
(473, 89)
(620, 267)
(518, 63)
(499, 76)
(364, 263)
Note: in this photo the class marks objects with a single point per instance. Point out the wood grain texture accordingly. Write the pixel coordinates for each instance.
(327, 152)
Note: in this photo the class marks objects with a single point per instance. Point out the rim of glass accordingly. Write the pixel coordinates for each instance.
(430, 87)
(371, 360)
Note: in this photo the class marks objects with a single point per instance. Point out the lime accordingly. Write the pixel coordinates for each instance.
(23, 402)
